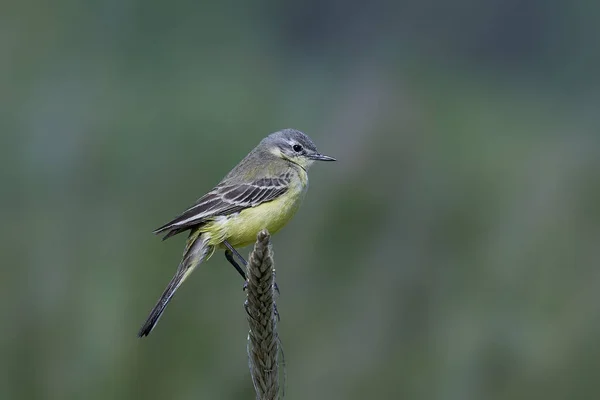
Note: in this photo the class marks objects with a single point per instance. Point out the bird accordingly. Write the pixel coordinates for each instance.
(263, 191)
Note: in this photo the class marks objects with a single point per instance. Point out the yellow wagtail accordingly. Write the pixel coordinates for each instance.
(263, 191)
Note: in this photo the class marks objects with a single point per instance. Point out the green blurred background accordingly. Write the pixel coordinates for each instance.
(452, 252)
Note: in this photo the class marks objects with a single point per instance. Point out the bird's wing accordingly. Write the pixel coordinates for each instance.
(228, 198)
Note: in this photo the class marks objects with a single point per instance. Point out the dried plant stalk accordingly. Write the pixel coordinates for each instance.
(263, 342)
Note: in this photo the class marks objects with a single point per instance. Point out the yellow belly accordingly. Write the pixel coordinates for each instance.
(240, 229)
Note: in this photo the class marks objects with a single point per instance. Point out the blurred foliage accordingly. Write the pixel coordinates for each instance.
(451, 252)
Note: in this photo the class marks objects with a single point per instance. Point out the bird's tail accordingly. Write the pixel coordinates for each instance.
(197, 250)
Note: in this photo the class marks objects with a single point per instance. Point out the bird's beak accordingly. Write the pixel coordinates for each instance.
(321, 157)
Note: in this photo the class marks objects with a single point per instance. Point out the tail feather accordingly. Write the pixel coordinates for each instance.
(160, 306)
(195, 253)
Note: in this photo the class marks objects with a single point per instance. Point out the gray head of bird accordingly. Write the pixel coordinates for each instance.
(294, 146)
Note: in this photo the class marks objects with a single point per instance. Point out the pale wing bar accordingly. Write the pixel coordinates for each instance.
(251, 195)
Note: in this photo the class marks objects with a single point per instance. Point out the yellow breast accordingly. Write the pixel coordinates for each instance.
(240, 229)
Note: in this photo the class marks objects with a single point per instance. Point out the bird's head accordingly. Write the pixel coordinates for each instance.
(294, 146)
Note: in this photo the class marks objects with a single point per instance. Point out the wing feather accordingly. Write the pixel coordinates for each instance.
(226, 199)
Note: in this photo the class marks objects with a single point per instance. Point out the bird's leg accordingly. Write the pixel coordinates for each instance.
(234, 251)
(229, 257)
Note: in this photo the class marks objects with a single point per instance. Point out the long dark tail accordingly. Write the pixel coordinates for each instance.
(196, 251)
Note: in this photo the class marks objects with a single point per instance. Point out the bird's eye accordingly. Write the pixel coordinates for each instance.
(297, 148)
